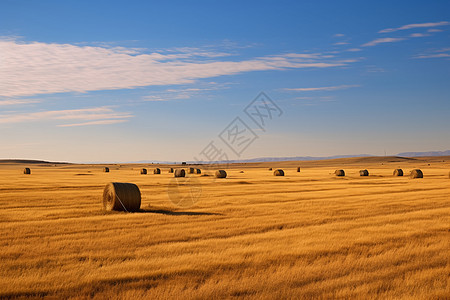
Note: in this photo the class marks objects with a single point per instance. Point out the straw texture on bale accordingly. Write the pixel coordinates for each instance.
(121, 197)
(106, 169)
(416, 173)
(278, 172)
(298, 169)
(198, 171)
(143, 171)
(221, 174)
(339, 173)
(398, 172)
(191, 171)
(363, 173)
(170, 170)
(179, 173)
(157, 171)
(27, 171)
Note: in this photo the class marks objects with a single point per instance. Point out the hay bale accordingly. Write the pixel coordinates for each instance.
(157, 171)
(241, 171)
(398, 172)
(221, 174)
(270, 169)
(278, 172)
(27, 171)
(106, 169)
(198, 171)
(416, 173)
(191, 170)
(183, 163)
(170, 170)
(143, 171)
(179, 173)
(121, 197)
(363, 173)
(339, 173)
(298, 169)
(448, 174)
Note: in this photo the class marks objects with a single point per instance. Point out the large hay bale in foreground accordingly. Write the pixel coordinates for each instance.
(398, 172)
(416, 173)
(157, 171)
(106, 169)
(121, 197)
(191, 170)
(198, 171)
(363, 173)
(179, 173)
(27, 171)
(221, 174)
(143, 171)
(170, 170)
(339, 173)
(298, 169)
(278, 172)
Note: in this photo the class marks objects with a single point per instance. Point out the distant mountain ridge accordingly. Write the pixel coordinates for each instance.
(429, 153)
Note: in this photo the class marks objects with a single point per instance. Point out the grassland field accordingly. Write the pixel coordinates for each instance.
(307, 235)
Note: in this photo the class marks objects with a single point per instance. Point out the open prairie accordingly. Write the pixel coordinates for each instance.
(251, 235)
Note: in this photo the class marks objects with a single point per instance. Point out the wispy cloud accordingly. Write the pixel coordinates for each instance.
(341, 43)
(185, 93)
(41, 68)
(353, 50)
(339, 35)
(381, 41)
(324, 88)
(434, 30)
(17, 102)
(411, 26)
(418, 35)
(92, 116)
(101, 122)
(435, 53)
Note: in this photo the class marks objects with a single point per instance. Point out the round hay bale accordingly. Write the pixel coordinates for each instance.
(363, 173)
(179, 173)
(270, 169)
(143, 171)
(157, 171)
(398, 172)
(183, 163)
(106, 169)
(170, 170)
(241, 171)
(191, 170)
(27, 171)
(221, 174)
(121, 197)
(198, 171)
(339, 173)
(298, 169)
(278, 172)
(416, 173)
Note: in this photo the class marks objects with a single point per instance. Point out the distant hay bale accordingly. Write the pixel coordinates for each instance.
(121, 197)
(270, 169)
(27, 171)
(143, 171)
(183, 163)
(221, 174)
(157, 171)
(179, 173)
(298, 169)
(448, 174)
(278, 172)
(198, 171)
(106, 169)
(398, 172)
(170, 170)
(191, 170)
(241, 171)
(363, 173)
(416, 173)
(339, 173)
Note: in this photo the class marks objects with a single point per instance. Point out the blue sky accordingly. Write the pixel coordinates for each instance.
(85, 81)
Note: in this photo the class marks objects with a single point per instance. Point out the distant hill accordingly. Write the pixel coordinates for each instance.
(28, 161)
(429, 153)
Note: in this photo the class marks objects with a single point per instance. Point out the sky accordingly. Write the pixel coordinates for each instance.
(123, 81)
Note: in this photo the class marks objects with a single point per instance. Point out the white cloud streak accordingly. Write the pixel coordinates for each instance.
(40, 68)
(411, 26)
(381, 41)
(93, 116)
(324, 88)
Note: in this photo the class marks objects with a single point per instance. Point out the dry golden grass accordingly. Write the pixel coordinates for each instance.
(251, 235)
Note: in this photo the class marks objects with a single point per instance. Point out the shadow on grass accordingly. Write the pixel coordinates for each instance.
(176, 213)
